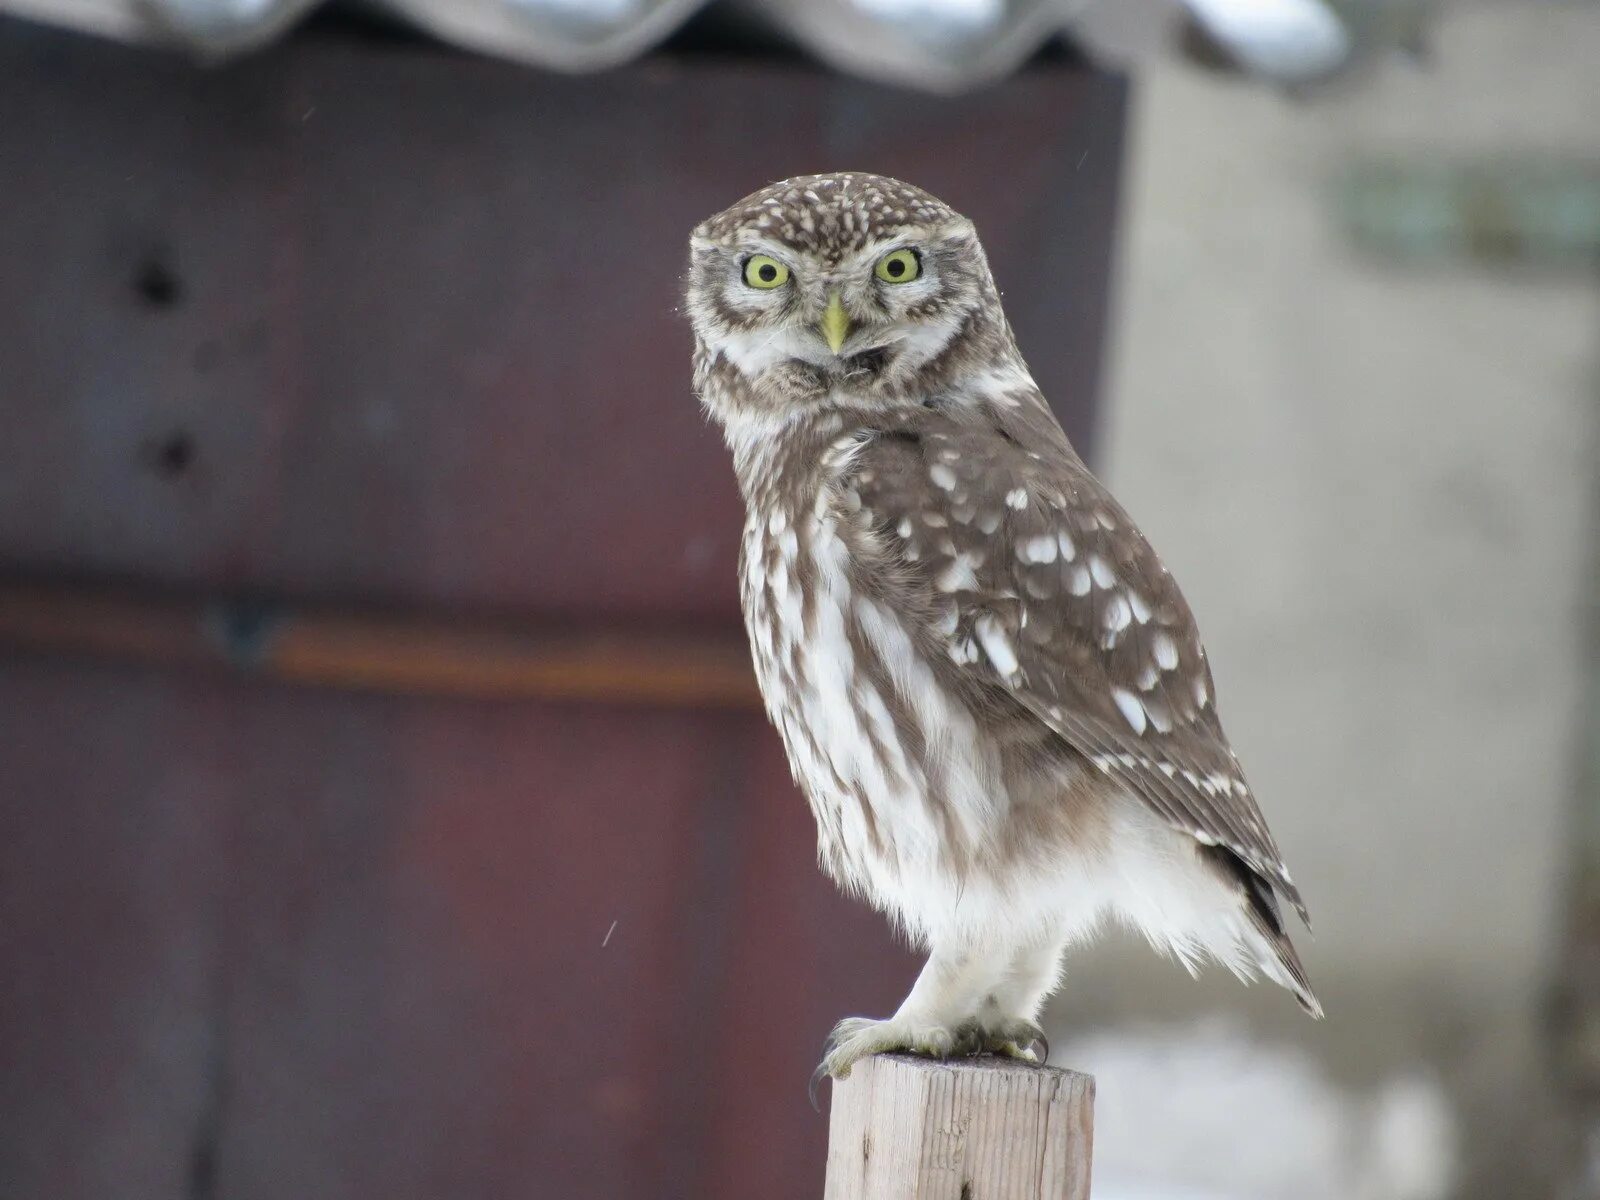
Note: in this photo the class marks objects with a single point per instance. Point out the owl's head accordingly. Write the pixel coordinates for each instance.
(853, 287)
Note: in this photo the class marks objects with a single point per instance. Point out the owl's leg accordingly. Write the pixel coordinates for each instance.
(941, 1017)
(1009, 1013)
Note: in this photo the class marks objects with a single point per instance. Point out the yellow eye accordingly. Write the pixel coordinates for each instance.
(765, 273)
(898, 266)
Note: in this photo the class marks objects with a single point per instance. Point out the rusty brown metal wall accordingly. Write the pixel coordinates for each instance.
(390, 329)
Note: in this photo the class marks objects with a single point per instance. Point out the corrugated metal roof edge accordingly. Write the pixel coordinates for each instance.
(834, 31)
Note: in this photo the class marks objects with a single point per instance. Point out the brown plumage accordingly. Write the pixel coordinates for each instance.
(992, 692)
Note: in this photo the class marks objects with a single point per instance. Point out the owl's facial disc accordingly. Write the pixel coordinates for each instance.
(844, 317)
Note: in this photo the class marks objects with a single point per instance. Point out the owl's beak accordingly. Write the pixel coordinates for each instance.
(835, 323)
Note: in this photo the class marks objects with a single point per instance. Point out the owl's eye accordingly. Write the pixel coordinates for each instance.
(765, 273)
(898, 266)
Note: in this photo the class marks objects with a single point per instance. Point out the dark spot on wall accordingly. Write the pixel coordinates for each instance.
(173, 455)
(156, 283)
(244, 630)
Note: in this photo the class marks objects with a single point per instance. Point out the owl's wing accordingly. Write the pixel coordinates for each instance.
(1035, 579)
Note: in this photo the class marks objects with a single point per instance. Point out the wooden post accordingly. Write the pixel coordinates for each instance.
(908, 1128)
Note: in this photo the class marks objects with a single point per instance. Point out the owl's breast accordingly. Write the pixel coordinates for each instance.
(903, 785)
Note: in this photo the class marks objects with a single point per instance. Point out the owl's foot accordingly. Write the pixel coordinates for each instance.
(1017, 1038)
(855, 1038)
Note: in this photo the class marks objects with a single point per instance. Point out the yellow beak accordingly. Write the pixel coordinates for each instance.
(835, 323)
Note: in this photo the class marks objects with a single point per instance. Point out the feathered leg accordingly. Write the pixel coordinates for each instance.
(968, 999)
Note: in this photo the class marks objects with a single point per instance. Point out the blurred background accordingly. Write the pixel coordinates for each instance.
(384, 805)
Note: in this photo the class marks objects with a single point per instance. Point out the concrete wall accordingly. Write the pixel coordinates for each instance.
(1376, 484)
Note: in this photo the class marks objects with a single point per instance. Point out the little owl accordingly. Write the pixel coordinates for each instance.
(990, 690)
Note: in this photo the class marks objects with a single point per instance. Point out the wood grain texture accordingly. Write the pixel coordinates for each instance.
(907, 1128)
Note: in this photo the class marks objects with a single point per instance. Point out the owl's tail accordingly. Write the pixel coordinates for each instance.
(1276, 956)
(1265, 937)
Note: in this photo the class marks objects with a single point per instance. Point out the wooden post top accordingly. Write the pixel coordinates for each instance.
(910, 1128)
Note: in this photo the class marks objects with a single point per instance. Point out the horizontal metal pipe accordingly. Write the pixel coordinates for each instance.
(379, 652)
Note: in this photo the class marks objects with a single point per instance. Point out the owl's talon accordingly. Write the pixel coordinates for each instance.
(855, 1038)
(817, 1077)
(970, 1040)
(1019, 1039)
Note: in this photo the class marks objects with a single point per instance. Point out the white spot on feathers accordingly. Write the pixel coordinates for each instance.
(996, 644)
(1117, 614)
(1017, 498)
(1132, 710)
(963, 651)
(1104, 576)
(1038, 549)
(957, 575)
(942, 476)
(1160, 715)
(1166, 651)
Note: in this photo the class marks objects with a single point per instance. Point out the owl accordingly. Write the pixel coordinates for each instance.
(990, 690)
